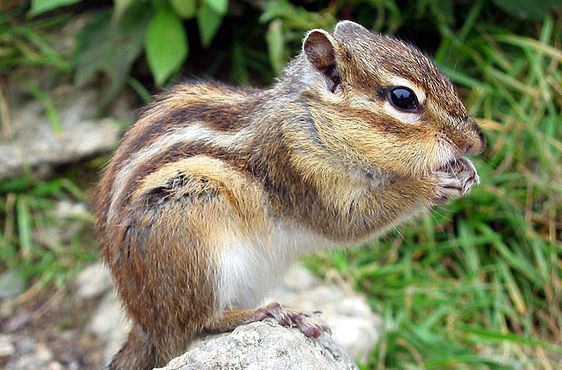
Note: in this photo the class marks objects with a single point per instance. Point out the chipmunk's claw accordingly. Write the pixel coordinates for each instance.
(310, 326)
(455, 179)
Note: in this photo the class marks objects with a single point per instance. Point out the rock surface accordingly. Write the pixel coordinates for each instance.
(34, 100)
(93, 281)
(110, 324)
(354, 326)
(30, 141)
(262, 346)
(12, 283)
(29, 354)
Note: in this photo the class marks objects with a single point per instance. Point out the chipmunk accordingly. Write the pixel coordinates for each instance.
(216, 190)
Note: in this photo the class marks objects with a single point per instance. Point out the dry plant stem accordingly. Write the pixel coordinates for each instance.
(4, 114)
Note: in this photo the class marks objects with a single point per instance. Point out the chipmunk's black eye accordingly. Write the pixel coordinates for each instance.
(404, 99)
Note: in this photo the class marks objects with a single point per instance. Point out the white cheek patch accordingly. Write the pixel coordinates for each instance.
(401, 116)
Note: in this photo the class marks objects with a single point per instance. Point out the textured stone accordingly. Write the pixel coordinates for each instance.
(354, 326)
(6, 346)
(110, 324)
(93, 281)
(348, 314)
(11, 284)
(32, 355)
(33, 144)
(262, 346)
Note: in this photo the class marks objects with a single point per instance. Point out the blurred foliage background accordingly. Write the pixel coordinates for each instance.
(476, 284)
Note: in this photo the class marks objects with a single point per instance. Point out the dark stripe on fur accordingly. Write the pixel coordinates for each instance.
(175, 153)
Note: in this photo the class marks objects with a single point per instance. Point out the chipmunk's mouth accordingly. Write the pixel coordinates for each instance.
(448, 154)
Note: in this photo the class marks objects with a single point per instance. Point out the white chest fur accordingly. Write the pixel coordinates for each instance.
(249, 269)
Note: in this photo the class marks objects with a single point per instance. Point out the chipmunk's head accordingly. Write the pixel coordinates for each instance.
(379, 100)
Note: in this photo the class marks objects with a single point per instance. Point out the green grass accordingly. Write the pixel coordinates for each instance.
(25, 44)
(476, 284)
(41, 247)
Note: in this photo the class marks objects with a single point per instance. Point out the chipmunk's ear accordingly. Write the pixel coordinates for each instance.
(319, 48)
(350, 30)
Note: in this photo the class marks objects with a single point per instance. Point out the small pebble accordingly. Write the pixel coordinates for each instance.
(6, 346)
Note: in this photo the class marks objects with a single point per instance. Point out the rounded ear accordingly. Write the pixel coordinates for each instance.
(349, 29)
(318, 47)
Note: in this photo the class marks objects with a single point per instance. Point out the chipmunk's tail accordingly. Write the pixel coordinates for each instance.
(137, 352)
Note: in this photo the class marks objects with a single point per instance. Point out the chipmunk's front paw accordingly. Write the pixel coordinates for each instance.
(454, 179)
(310, 326)
(466, 173)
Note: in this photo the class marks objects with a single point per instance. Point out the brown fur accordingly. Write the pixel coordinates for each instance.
(208, 166)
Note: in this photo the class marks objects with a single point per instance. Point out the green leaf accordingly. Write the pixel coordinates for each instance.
(296, 17)
(184, 8)
(50, 108)
(219, 6)
(495, 336)
(119, 7)
(535, 10)
(526, 42)
(276, 44)
(209, 21)
(443, 10)
(143, 93)
(111, 48)
(24, 226)
(42, 6)
(166, 44)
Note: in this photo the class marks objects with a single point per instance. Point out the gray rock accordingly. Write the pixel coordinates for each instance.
(262, 346)
(354, 326)
(93, 281)
(32, 143)
(66, 220)
(26, 344)
(11, 284)
(67, 209)
(6, 346)
(32, 355)
(110, 324)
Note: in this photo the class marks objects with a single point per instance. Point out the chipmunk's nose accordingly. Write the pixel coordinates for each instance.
(476, 142)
